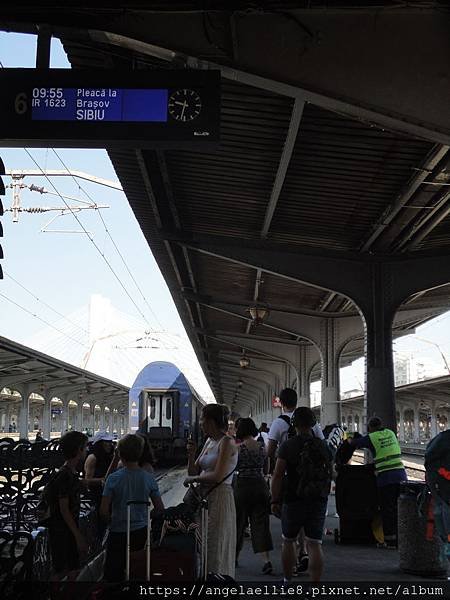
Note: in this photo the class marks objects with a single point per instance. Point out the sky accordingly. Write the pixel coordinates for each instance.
(64, 270)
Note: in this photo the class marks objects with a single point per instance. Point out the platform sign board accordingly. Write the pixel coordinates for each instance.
(108, 108)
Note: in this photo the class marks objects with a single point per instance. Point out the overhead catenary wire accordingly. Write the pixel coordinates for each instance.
(46, 304)
(96, 246)
(80, 187)
(91, 239)
(124, 262)
(43, 320)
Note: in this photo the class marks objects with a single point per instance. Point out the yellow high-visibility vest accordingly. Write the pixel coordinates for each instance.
(387, 451)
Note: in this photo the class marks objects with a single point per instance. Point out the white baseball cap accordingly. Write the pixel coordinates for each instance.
(102, 436)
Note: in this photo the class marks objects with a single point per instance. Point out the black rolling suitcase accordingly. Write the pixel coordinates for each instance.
(356, 504)
(141, 569)
(173, 560)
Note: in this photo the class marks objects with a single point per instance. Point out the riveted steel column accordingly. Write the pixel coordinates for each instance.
(433, 421)
(416, 432)
(379, 316)
(330, 405)
(24, 412)
(79, 424)
(46, 414)
(303, 380)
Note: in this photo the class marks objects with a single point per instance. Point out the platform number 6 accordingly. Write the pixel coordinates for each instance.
(21, 104)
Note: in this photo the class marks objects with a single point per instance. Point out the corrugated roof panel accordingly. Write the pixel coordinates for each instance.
(341, 177)
(227, 190)
(280, 292)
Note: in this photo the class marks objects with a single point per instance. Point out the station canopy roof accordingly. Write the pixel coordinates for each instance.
(421, 394)
(20, 366)
(313, 175)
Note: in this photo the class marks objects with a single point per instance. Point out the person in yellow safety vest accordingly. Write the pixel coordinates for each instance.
(390, 473)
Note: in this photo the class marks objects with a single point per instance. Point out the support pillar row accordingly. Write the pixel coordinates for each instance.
(379, 315)
(304, 398)
(47, 414)
(330, 405)
(24, 412)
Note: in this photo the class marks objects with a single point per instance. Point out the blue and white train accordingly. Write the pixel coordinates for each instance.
(165, 407)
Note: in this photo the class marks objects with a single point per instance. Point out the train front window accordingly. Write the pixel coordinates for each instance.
(152, 411)
(168, 409)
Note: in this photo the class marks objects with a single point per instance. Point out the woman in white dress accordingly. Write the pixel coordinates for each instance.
(216, 461)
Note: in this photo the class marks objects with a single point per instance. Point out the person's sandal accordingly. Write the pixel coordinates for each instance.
(267, 568)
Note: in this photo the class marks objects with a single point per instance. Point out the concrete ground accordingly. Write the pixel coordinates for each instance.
(342, 562)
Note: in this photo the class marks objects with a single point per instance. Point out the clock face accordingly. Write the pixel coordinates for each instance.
(184, 105)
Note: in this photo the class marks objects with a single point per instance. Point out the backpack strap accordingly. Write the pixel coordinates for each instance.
(222, 480)
(286, 419)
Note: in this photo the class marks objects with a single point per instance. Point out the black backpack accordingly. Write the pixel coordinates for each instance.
(314, 470)
(437, 465)
(292, 432)
(47, 501)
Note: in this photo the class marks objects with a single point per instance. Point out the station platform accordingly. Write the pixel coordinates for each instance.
(342, 562)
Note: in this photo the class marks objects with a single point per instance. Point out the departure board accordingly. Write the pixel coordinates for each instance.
(99, 104)
(62, 108)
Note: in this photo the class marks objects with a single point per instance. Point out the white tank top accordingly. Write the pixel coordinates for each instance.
(208, 458)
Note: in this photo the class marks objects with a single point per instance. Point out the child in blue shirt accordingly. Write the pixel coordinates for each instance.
(131, 483)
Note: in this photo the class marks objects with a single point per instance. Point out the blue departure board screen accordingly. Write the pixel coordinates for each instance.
(106, 108)
(99, 104)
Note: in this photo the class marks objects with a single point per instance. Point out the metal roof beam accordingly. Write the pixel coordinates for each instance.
(264, 324)
(348, 273)
(235, 341)
(267, 377)
(258, 338)
(429, 222)
(273, 309)
(294, 124)
(49, 362)
(382, 118)
(434, 157)
(230, 385)
(255, 294)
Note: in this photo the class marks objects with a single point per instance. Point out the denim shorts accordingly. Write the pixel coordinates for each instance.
(308, 514)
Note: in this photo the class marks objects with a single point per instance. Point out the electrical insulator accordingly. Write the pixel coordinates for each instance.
(35, 188)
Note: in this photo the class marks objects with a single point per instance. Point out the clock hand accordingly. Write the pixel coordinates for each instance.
(180, 103)
(184, 108)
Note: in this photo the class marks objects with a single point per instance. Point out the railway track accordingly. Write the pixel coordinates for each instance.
(413, 471)
(163, 471)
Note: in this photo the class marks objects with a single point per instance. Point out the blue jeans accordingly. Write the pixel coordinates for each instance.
(309, 514)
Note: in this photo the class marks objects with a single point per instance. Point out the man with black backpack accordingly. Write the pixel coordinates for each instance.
(281, 430)
(437, 467)
(306, 461)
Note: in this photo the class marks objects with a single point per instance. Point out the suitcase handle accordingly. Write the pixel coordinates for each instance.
(148, 542)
